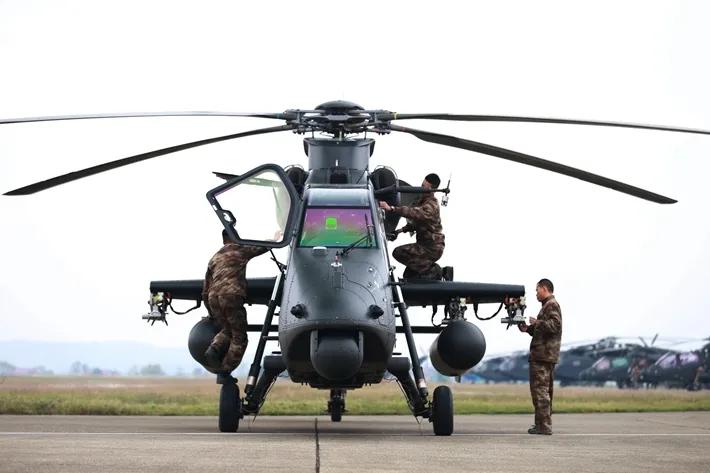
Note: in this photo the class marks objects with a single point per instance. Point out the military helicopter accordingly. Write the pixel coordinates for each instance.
(338, 296)
(622, 364)
(687, 370)
(574, 360)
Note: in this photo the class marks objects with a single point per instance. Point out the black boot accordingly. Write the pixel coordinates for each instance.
(213, 358)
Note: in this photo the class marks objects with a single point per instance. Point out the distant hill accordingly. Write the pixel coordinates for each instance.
(120, 356)
(124, 357)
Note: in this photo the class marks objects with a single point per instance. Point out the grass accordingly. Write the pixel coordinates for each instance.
(177, 396)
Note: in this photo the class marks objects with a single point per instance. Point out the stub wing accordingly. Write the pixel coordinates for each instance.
(440, 292)
(258, 289)
(423, 293)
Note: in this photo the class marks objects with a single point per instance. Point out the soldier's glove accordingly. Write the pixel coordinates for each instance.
(393, 236)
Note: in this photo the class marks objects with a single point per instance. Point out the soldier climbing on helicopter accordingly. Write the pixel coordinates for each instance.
(224, 291)
(424, 219)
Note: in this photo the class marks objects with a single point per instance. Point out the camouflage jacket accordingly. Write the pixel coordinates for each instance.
(546, 333)
(226, 271)
(424, 219)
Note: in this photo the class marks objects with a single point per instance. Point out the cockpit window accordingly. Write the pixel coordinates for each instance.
(666, 361)
(337, 227)
(602, 364)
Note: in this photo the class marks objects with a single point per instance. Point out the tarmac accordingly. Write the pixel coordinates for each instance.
(675, 442)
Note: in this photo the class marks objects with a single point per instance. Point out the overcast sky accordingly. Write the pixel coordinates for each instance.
(76, 260)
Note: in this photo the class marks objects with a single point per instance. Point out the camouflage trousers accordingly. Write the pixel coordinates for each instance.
(418, 258)
(231, 316)
(541, 378)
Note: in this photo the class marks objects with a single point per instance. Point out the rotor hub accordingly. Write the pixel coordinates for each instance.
(339, 118)
(339, 106)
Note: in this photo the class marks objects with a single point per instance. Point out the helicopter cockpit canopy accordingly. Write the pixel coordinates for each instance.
(337, 227)
(337, 218)
(675, 360)
(257, 208)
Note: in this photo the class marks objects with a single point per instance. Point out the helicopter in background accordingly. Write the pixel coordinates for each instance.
(623, 363)
(580, 358)
(686, 370)
(337, 295)
(513, 367)
(585, 364)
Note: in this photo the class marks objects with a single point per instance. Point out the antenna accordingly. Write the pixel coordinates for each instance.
(445, 199)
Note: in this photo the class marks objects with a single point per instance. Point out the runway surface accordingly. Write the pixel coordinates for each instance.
(676, 442)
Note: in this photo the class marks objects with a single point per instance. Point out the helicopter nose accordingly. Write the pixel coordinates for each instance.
(336, 356)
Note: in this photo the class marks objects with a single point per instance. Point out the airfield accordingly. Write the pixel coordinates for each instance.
(586, 438)
(629, 442)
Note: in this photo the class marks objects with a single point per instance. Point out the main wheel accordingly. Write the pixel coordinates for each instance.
(229, 408)
(442, 411)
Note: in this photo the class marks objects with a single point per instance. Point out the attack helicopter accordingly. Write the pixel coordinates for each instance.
(513, 368)
(688, 370)
(622, 364)
(338, 296)
(577, 358)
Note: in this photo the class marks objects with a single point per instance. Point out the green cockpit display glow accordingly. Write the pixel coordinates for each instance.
(336, 227)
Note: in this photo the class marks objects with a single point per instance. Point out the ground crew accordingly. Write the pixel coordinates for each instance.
(546, 333)
(224, 291)
(423, 218)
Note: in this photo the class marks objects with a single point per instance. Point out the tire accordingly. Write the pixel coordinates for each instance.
(442, 411)
(229, 408)
(336, 412)
(336, 404)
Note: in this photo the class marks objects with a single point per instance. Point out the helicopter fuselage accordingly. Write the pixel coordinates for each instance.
(337, 323)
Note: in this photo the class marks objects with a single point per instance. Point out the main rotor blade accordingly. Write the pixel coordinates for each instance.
(521, 158)
(5, 121)
(563, 121)
(73, 176)
(224, 175)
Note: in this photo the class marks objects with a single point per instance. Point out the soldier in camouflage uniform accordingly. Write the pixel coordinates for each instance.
(424, 219)
(546, 333)
(224, 290)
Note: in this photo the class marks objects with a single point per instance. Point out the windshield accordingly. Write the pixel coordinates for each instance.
(602, 364)
(337, 227)
(260, 204)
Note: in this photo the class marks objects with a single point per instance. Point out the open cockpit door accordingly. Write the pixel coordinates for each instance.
(257, 208)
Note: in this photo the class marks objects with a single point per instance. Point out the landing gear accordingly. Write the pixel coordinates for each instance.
(259, 381)
(254, 399)
(229, 404)
(442, 411)
(401, 368)
(336, 404)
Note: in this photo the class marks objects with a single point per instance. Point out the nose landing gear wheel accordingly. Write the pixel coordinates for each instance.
(442, 411)
(336, 412)
(229, 407)
(336, 404)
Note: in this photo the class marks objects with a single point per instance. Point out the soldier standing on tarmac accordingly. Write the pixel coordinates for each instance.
(224, 291)
(546, 333)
